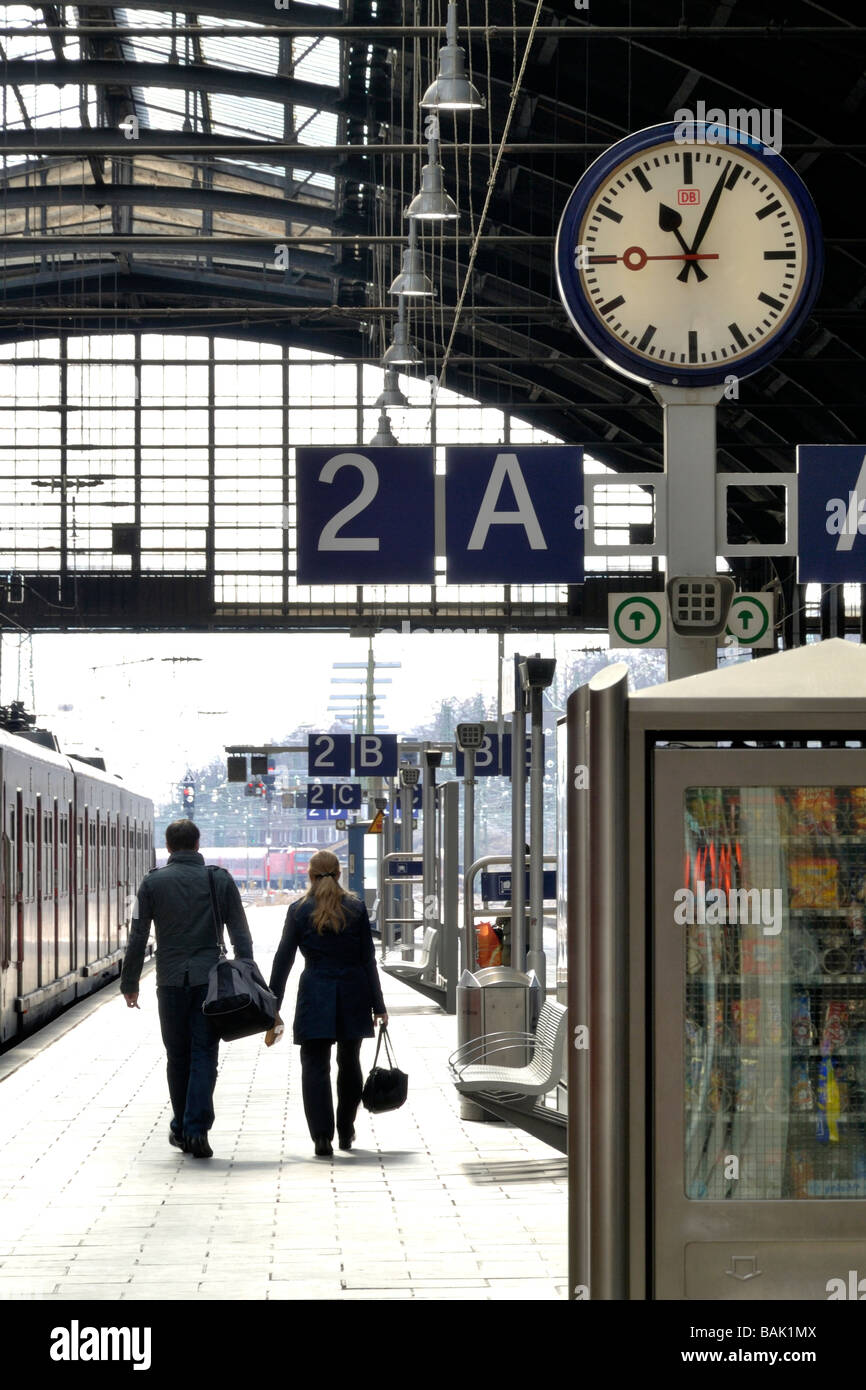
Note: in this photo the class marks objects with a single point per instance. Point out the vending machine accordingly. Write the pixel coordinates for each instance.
(719, 946)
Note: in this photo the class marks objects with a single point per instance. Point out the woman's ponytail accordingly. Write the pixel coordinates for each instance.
(325, 890)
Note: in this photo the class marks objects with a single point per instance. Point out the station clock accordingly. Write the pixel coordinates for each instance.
(687, 262)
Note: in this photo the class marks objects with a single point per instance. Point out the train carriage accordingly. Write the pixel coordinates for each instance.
(75, 844)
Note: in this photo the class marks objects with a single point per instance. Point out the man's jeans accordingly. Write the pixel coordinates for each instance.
(191, 1048)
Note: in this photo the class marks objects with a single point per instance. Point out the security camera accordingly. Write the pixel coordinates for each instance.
(536, 672)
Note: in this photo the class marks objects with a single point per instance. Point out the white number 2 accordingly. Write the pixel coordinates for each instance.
(330, 538)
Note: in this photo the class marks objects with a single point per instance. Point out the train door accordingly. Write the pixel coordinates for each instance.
(80, 892)
(114, 882)
(44, 967)
(8, 923)
(103, 931)
(28, 928)
(62, 891)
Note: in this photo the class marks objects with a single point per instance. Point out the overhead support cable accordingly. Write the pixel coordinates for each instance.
(491, 184)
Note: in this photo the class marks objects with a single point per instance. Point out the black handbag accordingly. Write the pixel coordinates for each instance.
(238, 1001)
(386, 1088)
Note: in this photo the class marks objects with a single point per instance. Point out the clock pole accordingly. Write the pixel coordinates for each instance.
(690, 502)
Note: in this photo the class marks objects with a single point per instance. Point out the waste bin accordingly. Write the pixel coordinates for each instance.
(498, 999)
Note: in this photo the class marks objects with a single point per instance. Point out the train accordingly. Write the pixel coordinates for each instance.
(258, 868)
(75, 845)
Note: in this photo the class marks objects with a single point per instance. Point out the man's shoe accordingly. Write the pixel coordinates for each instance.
(198, 1146)
(346, 1140)
(324, 1147)
(177, 1141)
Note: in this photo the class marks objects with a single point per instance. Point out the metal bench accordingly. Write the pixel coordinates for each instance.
(512, 1093)
(420, 967)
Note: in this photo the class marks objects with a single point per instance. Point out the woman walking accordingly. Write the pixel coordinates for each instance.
(338, 995)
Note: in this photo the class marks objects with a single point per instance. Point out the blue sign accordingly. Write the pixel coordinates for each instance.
(832, 506)
(497, 887)
(416, 800)
(487, 757)
(376, 755)
(319, 797)
(347, 796)
(514, 515)
(324, 813)
(329, 755)
(406, 868)
(365, 515)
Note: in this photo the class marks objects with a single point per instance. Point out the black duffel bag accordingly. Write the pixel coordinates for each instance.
(386, 1088)
(238, 1003)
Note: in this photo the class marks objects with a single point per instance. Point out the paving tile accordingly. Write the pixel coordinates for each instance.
(426, 1206)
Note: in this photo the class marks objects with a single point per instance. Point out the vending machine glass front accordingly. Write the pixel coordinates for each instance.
(761, 903)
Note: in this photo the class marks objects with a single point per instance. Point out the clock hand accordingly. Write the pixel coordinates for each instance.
(707, 217)
(635, 258)
(671, 221)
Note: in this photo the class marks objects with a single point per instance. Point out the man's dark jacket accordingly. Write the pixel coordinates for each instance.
(176, 899)
(339, 990)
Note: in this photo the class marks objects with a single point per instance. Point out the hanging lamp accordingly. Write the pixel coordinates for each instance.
(432, 204)
(452, 90)
(391, 395)
(384, 434)
(412, 281)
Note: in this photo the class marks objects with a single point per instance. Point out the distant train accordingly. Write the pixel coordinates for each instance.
(256, 867)
(75, 845)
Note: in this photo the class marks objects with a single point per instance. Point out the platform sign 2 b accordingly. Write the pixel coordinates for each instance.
(831, 486)
(376, 755)
(514, 514)
(365, 515)
(329, 755)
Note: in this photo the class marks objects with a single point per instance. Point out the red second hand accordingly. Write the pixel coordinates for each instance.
(635, 258)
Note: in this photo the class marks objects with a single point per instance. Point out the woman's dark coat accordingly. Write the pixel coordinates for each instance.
(339, 990)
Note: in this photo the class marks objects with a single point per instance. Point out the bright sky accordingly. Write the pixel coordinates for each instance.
(151, 717)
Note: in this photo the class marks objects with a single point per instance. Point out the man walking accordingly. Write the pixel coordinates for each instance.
(177, 900)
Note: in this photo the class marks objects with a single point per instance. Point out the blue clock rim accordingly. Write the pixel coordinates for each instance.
(620, 355)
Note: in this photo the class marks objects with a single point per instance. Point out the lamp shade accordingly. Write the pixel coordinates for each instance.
(432, 204)
(401, 352)
(452, 90)
(412, 280)
(384, 434)
(391, 395)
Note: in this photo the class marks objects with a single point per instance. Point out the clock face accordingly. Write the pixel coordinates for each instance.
(687, 263)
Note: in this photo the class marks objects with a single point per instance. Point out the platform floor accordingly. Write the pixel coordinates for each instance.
(95, 1204)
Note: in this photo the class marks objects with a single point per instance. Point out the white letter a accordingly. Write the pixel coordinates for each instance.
(506, 465)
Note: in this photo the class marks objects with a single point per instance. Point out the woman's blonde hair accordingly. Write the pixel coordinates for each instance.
(325, 890)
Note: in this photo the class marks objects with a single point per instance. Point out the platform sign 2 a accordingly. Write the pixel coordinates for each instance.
(365, 515)
(831, 486)
(514, 514)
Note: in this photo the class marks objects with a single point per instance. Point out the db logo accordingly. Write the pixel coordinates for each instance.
(688, 197)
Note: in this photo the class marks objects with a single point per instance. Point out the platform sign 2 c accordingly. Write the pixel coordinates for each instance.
(514, 514)
(637, 620)
(831, 487)
(365, 515)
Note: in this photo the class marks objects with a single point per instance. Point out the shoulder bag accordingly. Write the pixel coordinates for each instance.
(386, 1088)
(238, 1001)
